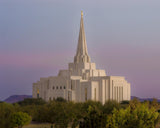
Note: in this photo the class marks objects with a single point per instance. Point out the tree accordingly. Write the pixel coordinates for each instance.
(94, 118)
(154, 103)
(5, 114)
(60, 99)
(135, 103)
(109, 106)
(125, 102)
(31, 101)
(139, 117)
(19, 119)
(62, 116)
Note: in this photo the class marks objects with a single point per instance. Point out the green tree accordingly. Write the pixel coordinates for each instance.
(109, 106)
(40, 113)
(19, 119)
(139, 117)
(60, 99)
(134, 103)
(63, 114)
(154, 103)
(31, 101)
(5, 114)
(94, 118)
(58, 113)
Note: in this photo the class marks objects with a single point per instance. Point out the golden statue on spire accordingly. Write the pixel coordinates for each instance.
(81, 13)
(38, 91)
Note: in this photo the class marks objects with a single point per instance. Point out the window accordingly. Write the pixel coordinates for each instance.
(57, 87)
(60, 87)
(95, 94)
(53, 87)
(68, 97)
(85, 94)
(71, 84)
(64, 87)
(48, 84)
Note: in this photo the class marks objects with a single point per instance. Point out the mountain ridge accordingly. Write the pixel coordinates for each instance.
(16, 98)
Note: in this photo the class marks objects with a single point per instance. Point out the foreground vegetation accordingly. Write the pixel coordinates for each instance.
(90, 114)
(38, 126)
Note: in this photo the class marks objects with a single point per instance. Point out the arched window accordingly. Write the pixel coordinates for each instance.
(60, 87)
(53, 87)
(57, 87)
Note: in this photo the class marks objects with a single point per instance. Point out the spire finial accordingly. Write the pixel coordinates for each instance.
(81, 13)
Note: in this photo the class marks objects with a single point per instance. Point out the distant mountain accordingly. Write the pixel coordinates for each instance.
(144, 99)
(16, 98)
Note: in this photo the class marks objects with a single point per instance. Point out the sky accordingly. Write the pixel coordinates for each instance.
(39, 37)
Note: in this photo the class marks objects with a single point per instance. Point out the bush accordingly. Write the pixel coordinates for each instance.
(19, 119)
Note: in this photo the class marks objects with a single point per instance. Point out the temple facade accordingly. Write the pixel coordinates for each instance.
(82, 81)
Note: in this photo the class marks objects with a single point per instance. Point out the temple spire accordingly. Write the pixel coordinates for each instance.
(82, 52)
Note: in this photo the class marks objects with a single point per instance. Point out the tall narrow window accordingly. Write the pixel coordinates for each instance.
(122, 93)
(68, 97)
(71, 84)
(95, 94)
(48, 84)
(85, 94)
(38, 93)
(112, 92)
(117, 94)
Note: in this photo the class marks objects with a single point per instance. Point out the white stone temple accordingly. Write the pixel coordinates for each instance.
(82, 81)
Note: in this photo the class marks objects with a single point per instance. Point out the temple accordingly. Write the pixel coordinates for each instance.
(82, 81)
